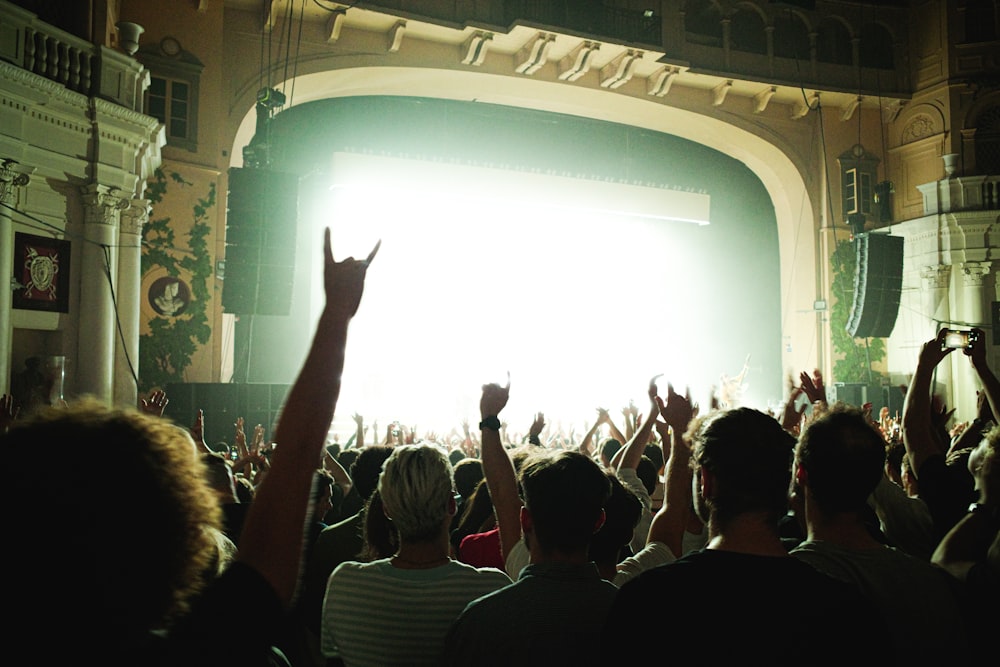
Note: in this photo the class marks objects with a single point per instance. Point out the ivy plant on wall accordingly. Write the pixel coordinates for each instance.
(853, 363)
(166, 351)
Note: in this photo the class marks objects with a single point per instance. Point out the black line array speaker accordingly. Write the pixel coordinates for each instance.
(222, 403)
(261, 219)
(878, 282)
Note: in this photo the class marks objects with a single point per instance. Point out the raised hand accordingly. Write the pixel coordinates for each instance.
(8, 412)
(198, 431)
(344, 281)
(155, 404)
(677, 411)
(494, 399)
(537, 425)
(240, 439)
(813, 386)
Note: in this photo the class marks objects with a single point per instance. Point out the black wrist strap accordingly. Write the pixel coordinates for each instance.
(492, 423)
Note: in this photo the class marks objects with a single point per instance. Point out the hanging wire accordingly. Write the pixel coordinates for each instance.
(298, 47)
(118, 320)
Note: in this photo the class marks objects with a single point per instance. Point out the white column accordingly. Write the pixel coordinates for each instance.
(936, 280)
(973, 312)
(12, 176)
(129, 296)
(98, 328)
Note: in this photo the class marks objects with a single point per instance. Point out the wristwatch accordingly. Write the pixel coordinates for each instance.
(492, 423)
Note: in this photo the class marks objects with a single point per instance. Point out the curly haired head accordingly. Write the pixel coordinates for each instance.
(119, 502)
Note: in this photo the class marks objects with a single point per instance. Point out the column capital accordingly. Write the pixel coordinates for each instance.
(135, 216)
(936, 276)
(974, 272)
(13, 174)
(103, 204)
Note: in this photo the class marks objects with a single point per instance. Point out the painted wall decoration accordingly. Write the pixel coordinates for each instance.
(169, 296)
(41, 273)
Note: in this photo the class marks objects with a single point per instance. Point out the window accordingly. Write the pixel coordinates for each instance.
(170, 102)
(859, 180)
(172, 96)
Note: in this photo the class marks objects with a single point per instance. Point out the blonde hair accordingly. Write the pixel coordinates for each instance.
(416, 485)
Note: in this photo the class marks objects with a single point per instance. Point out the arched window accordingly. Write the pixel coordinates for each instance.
(703, 22)
(791, 37)
(876, 47)
(746, 32)
(988, 142)
(833, 43)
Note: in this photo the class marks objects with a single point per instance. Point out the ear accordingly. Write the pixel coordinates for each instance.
(452, 506)
(801, 476)
(527, 522)
(706, 483)
(600, 521)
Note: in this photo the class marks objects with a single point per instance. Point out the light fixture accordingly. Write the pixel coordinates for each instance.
(128, 36)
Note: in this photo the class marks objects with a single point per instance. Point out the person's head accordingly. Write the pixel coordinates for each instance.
(245, 490)
(141, 526)
(648, 473)
(984, 463)
(417, 490)
(564, 495)
(622, 511)
(742, 462)
(367, 467)
(894, 462)
(219, 474)
(609, 448)
(655, 454)
(477, 510)
(455, 456)
(468, 474)
(840, 460)
(347, 457)
(380, 539)
(322, 498)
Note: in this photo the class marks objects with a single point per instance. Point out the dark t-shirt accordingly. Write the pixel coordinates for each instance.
(947, 491)
(724, 608)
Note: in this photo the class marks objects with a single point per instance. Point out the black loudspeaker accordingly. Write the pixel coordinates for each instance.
(222, 403)
(855, 394)
(878, 282)
(261, 219)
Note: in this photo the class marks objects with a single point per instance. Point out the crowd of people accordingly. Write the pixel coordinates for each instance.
(720, 534)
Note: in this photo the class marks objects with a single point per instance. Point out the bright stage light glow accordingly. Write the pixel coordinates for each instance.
(581, 304)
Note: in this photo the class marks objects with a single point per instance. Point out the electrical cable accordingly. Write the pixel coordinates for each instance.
(118, 319)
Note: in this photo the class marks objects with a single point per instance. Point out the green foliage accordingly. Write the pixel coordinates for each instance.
(166, 351)
(852, 362)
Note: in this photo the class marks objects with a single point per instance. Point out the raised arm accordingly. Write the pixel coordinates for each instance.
(628, 457)
(498, 469)
(669, 521)
(272, 538)
(917, 426)
(991, 386)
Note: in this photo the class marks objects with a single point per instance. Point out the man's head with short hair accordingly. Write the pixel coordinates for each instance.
(609, 448)
(468, 474)
(418, 491)
(842, 459)
(622, 512)
(749, 456)
(565, 495)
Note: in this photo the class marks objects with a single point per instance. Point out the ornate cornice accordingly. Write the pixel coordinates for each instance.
(135, 216)
(974, 272)
(39, 83)
(118, 112)
(103, 204)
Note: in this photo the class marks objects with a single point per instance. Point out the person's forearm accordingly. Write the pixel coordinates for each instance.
(272, 538)
(669, 522)
(631, 454)
(991, 386)
(501, 480)
(915, 425)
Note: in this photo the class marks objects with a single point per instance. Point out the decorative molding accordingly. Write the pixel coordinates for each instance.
(533, 55)
(56, 90)
(659, 83)
(619, 71)
(335, 25)
(103, 204)
(936, 277)
(578, 62)
(476, 48)
(118, 112)
(921, 126)
(891, 110)
(761, 99)
(719, 92)
(974, 272)
(12, 175)
(850, 108)
(803, 107)
(396, 34)
(135, 216)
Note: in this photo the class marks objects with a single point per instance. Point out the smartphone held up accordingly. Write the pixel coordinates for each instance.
(960, 339)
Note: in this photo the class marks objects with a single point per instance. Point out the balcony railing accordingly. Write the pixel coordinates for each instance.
(56, 55)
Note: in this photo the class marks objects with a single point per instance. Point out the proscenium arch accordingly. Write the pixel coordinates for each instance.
(780, 168)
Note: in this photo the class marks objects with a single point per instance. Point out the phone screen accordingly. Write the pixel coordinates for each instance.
(956, 339)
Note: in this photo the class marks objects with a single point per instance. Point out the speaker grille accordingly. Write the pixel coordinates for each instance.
(878, 282)
(261, 221)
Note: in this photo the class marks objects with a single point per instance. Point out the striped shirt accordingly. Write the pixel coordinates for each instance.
(377, 614)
